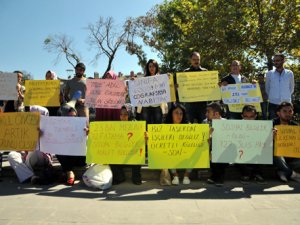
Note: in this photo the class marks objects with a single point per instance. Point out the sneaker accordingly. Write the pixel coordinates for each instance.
(245, 179)
(175, 180)
(259, 179)
(282, 176)
(186, 180)
(295, 177)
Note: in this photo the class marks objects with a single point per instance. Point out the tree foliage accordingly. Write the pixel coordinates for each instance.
(251, 31)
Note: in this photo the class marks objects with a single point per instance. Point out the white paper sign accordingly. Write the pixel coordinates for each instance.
(8, 86)
(63, 135)
(149, 90)
(242, 141)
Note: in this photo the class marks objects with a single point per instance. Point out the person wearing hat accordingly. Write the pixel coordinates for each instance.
(78, 83)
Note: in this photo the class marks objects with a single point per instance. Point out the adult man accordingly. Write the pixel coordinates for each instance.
(285, 112)
(234, 78)
(78, 83)
(279, 85)
(195, 110)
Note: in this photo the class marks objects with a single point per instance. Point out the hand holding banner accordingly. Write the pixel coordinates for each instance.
(178, 146)
(116, 142)
(19, 131)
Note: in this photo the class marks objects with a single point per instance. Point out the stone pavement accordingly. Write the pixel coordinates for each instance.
(149, 203)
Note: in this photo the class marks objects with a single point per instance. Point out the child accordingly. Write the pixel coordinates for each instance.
(214, 112)
(117, 170)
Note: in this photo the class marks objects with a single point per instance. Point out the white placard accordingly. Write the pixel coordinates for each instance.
(63, 135)
(149, 90)
(8, 86)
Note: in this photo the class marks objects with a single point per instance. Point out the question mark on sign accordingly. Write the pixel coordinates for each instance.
(141, 151)
(241, 153)
(129, 135)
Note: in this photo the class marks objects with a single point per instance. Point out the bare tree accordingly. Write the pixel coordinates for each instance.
(62, 45)
(108, 38)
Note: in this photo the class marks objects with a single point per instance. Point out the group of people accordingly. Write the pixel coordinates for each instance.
(276, 89)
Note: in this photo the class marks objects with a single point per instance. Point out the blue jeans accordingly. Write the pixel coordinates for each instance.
(282, 165)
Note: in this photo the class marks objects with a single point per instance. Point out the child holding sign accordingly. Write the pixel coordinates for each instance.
(177, 115)
(214, 112)
(117, 170)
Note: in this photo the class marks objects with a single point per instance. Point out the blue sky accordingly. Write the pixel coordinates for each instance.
(25, 24)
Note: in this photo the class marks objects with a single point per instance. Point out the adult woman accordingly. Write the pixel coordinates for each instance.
(152, 114)
(51, 75)
(177, 115)
(103, 114)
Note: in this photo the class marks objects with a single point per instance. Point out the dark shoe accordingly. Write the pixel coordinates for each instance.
(35, 180)
(245, 179)
(219, 182)
(118, 181)
(259, 179)
(137, 181)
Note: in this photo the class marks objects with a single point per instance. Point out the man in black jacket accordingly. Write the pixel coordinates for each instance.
(234, 78)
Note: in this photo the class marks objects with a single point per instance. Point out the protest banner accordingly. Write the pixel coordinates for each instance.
(42, 92)
(8, 86)
(238, 95)
(172, 88)
(242, 141)
(178, 146)
(287, 141)
(105, 93)
(198, 86)
(116, 142)
(150, 90)
(19, 131)
(63, 135)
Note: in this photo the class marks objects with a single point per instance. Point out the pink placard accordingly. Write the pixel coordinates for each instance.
(105, 93)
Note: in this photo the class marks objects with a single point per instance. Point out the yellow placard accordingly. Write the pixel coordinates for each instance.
(42, 92)
(198, 86)
(178, 146)
(239, 107)
(116, 142)
(238, 95)
(172, 88)
(287, 141)
(19, 131)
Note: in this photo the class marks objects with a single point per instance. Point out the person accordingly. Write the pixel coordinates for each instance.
(68, 162)
(151, 114)
(279, 85)
(19, 104)
(234, 78)
(264, 104)
(195, 110)
(250, 171)
(75, 84)
(104, 114)
(285, 112)
(177, 115)
(24, 163)
(51, 75)
(117, 170)
(214, 112)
